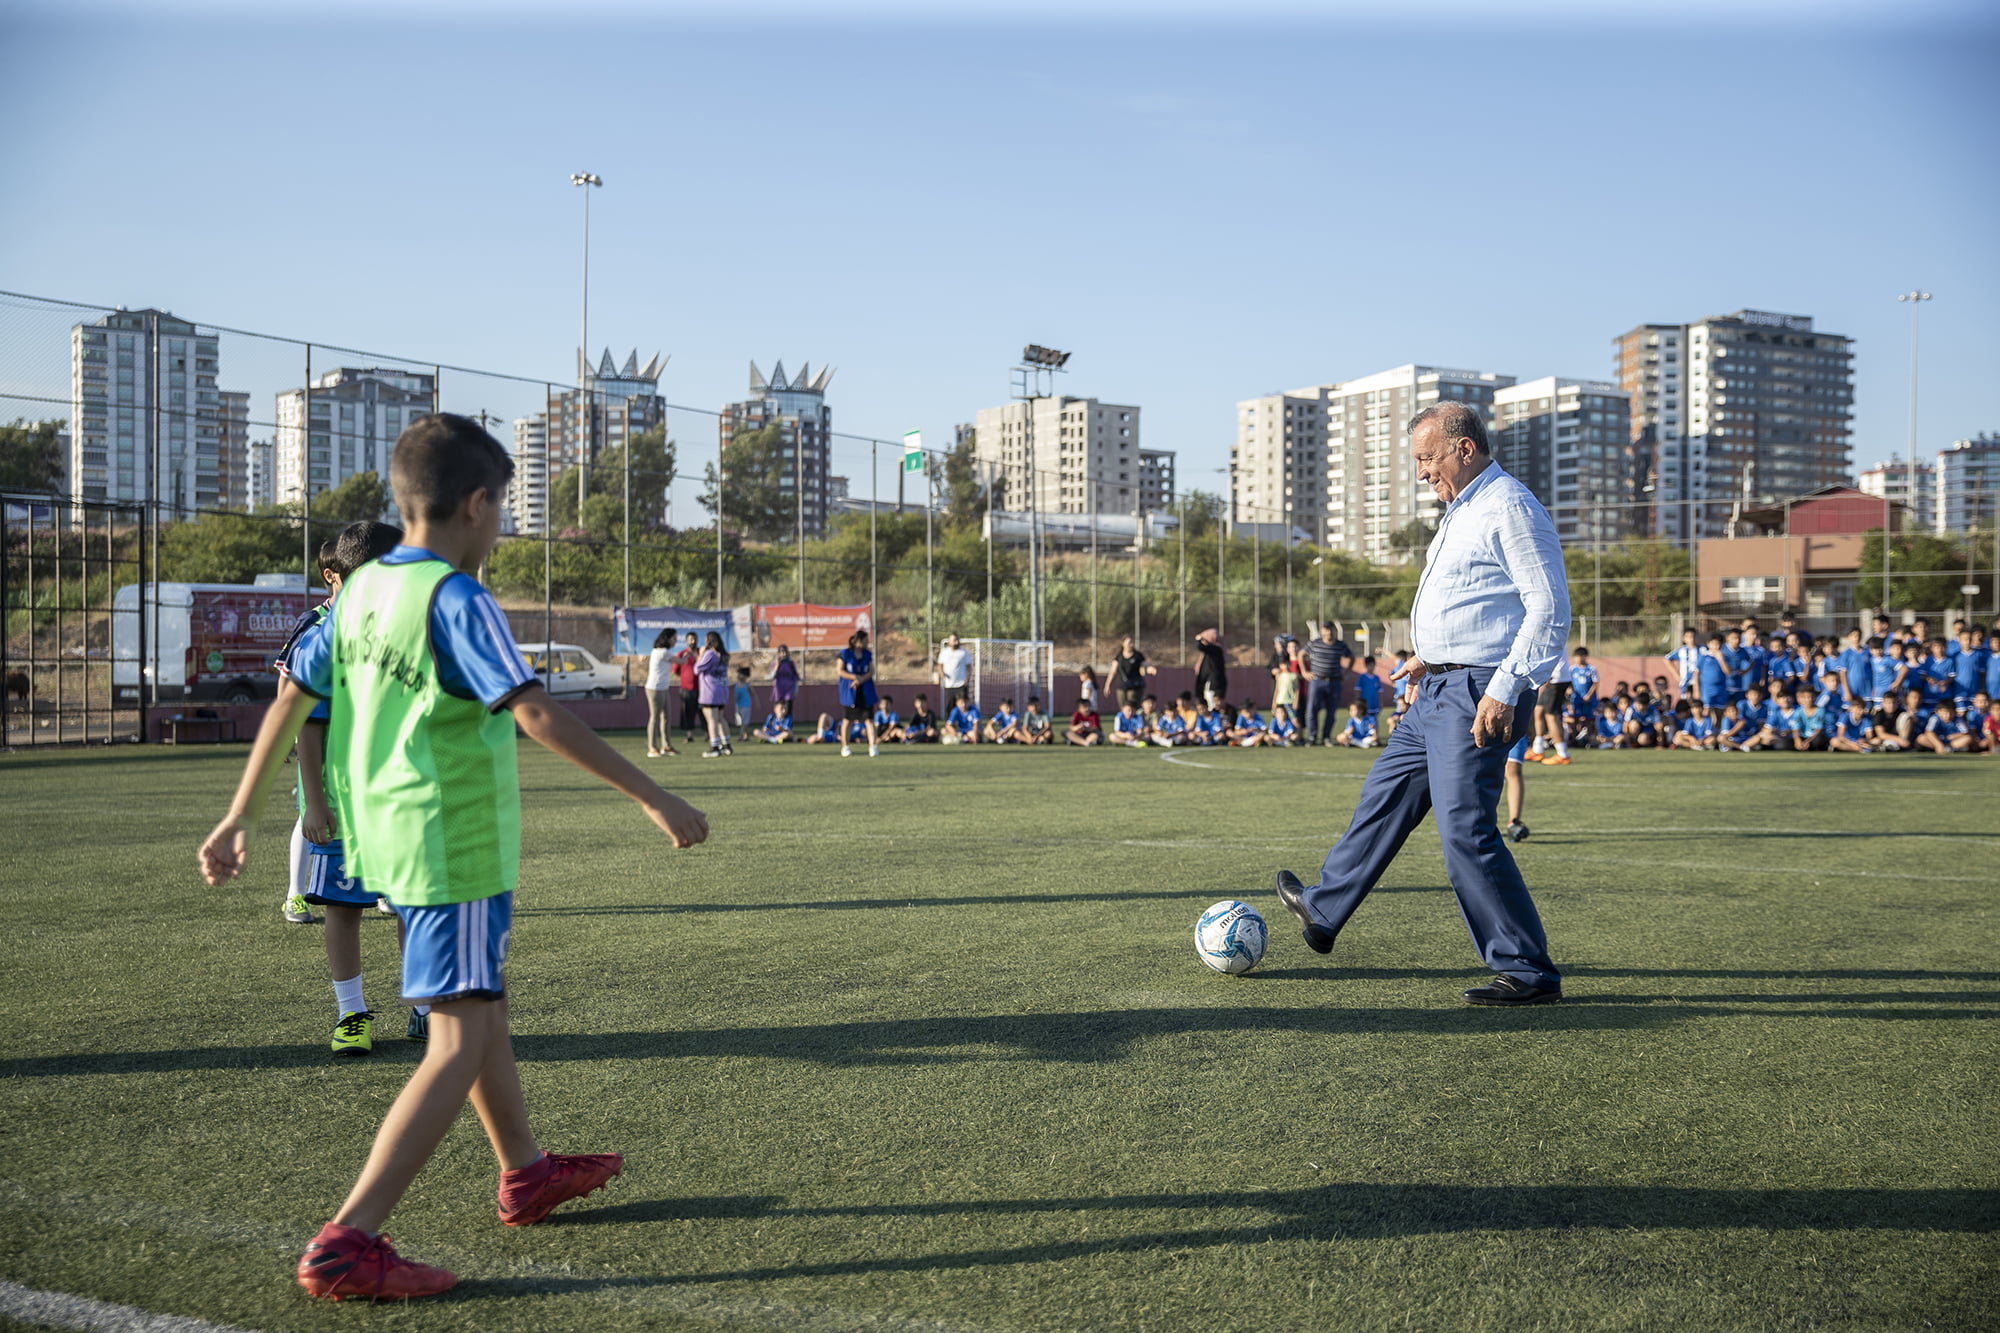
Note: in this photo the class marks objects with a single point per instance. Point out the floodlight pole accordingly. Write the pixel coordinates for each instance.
(1916, 299)
(589, 182)
(1034, 379)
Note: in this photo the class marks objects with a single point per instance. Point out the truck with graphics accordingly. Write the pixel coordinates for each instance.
(209, 641)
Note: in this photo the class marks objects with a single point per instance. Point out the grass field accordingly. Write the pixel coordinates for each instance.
(922, 1044)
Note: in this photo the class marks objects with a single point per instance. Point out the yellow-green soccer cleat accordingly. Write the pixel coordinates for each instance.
(297, 911)
(354, 1034)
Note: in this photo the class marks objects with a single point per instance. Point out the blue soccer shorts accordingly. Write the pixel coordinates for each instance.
(456, 951)
(1519, 754)
(321, 875)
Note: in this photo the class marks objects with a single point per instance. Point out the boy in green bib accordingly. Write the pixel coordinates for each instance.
(425, 687)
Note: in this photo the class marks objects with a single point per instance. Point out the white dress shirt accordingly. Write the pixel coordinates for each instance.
(1494, 591)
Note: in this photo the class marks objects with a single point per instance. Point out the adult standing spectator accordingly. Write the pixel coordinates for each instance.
(1211, 672)
(1129, 672)
(785, 679)
(684, 675)
(953, 662)
(660, 696)
(1490, 620)
(1326, 659)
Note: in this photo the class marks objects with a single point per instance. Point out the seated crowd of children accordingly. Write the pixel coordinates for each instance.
(1899, 690)
(1186, 723)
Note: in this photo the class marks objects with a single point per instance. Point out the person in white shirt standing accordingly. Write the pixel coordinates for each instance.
(1489, 624)
(949, 672)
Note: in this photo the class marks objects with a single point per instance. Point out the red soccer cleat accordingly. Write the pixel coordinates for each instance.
(532, 1193)
(343, 1264)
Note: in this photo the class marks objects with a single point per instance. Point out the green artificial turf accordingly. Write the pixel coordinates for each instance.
(922, 1043)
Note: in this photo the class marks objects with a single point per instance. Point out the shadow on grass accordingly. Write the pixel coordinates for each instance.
(1083, 1038)
(1199, 895)
(1331, 1212)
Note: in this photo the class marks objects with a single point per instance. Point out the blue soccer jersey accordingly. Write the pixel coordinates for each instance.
(1583, 684)
(1129, 724)
(1882, 673)
(1754, 714)
(1936, 677)
(1368, 689)
(1946, 727)
(1811, 722)
(313, 622)
(1852, 728)
(1784, 720)
(858, 662)
(1284, 729)
(1713, 677)
(1686, 660)
(1247, 720)
(1359, 729)
(1608, 727)
(1698, 727)
(964, 718)
(775, 726)
(1211, 727)
(1170, 724)
(1968, 671)
(884, 717)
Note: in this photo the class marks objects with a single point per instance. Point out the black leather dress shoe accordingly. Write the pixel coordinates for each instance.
(1293, 895)
(1506, 990)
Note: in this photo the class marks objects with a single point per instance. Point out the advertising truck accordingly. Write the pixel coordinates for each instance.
(211, 641)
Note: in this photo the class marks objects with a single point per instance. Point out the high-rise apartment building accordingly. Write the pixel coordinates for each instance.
(1568, 440)
(1372, 488)
(1734, 410)
(528, 492)
(356, 414)
(1910, 483)
(260, 472)
(1277, 469)
(1086, 455)
(1968, 485)
(143, 400)
(614, 405)
(797, 406)
(1156, 480)
(233, 449)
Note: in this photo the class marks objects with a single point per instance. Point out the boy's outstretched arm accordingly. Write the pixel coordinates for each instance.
(223, 854)
(556, 728)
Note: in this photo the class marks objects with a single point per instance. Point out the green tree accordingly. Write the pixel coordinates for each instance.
(360, 498)
(965, 496)
(653, 470)
(1925, 570)
(1199, 512)
(31, 456)
(1411, 538)
(229, 548)
(754, 500)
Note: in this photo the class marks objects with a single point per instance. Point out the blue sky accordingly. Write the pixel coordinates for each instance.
(1201, 210)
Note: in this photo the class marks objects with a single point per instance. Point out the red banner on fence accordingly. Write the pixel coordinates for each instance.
(807, 625)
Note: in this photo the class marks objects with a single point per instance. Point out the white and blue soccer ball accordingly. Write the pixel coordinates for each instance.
(1230, 937)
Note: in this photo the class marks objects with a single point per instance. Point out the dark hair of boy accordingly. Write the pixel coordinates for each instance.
(358, 543)
(440, 460)
(742, 673)
(328, 549)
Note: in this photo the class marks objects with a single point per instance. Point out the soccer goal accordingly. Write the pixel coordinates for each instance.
(1011, 669)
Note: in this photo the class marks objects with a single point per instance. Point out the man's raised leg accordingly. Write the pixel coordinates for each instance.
(1394, 799)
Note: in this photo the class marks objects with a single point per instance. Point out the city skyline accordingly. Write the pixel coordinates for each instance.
(1263, 232)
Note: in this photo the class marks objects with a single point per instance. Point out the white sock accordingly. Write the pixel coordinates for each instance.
(1562, 749)
(347, 995)
(1538, 746)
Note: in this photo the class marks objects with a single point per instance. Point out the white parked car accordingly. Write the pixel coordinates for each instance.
(567, 670)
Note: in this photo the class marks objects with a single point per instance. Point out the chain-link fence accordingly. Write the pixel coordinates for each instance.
(153, 456)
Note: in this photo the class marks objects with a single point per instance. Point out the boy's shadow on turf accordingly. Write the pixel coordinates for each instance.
(1330, 1212)
(1085, 1037)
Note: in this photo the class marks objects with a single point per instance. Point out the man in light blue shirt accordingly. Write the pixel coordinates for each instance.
(1490, 621)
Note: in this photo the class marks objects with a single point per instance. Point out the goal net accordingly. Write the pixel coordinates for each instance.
(1011, 669)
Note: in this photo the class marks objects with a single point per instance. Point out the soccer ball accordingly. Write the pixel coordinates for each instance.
(1230, 937)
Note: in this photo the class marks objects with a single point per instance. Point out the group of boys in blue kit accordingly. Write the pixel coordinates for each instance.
(1899, 689)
